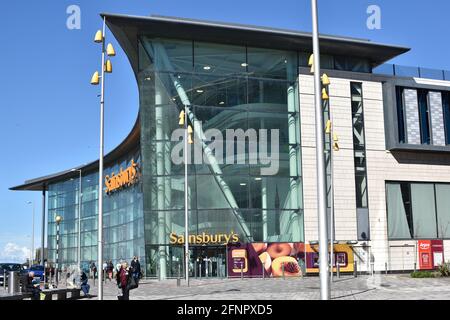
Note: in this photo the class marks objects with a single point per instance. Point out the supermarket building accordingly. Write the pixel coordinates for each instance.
(391, 177)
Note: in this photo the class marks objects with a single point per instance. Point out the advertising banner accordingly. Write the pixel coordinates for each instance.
(343, 255)
(431, 253)
(272, 259)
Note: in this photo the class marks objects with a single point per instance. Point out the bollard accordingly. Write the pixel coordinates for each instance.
(338, 270)
(385, 267)
(355, 269)
(415, 266)
(179, 279)
(242, 271)
(200, 271)
(282, 269)
(372, 268)
(13, 282)
(4, 279)
(263, 272)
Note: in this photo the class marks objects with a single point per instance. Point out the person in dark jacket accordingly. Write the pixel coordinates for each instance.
(85, 287)
(123, 278)
(33, 285)
(136, 266)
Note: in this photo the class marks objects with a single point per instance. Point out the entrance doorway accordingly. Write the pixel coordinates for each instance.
(208, 262)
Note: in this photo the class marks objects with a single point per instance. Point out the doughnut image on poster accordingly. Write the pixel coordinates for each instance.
(275, 256)
(270, 258)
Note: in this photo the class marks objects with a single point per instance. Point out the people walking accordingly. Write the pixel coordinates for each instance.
(136, 266)
(109, 270)
(93, 268)
(123, 278)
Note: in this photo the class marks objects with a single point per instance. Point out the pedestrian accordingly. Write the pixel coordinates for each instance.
(104, 266)
(34, 286)
(123, 278)
(93, 270)
(136, 266)
(110, 269)
(85, 287)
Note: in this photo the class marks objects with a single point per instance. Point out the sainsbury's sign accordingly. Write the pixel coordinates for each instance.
(123, 179)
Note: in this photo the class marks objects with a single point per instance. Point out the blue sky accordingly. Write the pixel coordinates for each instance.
(50, 113)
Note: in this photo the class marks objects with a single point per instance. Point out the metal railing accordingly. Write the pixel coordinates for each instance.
(415, 72)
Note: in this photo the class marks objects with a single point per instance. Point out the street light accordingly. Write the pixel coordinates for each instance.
(32, 237)
(80, 195)
(58, 220)
(188, 131)
(320, 159)
(106, 68)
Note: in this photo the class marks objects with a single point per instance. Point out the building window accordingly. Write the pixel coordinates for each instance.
(400, 115)
(418, 210)
(359, 146)
(446, 113)
(424, 116)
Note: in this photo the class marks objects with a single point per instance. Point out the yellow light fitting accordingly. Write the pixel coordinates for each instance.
(182, 118)
(336, 146)
(190, 141)
(108, 66)
(325, 80)
(311, 60)
(95, 79)
(325, 94)
(110, 50)
(98, 37)
(335, 137)
(328, 127)
(190, 130)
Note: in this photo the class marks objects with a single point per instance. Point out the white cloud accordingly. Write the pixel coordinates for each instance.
(12, 252)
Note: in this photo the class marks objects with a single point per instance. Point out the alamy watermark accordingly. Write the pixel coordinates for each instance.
(374, 19)
(237, 147)
(73, 21)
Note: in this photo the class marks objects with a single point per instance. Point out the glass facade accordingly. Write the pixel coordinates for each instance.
(123, 219)
(252, 189)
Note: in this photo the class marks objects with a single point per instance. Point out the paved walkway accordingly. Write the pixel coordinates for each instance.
(378, 287)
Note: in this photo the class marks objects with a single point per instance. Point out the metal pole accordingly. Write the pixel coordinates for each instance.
(32, 239)
(282, 270)
(332, 194)
(242, 271)
(79, 222)
(100, 170)
(320, 158)
(186, 205)
(57, 253)
(43, 228)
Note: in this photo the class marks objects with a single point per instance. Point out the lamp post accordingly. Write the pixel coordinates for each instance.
(32, 236)
(187, 140)
(106, 68)
(58, 220)
(320, 159)
(80, 195)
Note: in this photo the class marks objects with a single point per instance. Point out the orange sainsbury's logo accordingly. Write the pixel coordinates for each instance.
(124, 178)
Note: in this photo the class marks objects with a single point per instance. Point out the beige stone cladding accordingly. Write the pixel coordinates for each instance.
(382, 166)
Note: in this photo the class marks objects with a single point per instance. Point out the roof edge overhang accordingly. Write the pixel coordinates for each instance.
(130, 143)
(128, 28)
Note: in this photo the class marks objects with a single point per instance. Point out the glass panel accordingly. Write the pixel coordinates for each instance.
(169, 55)
(219, 59)
(274, 64)
(398, 226)
(443, 210)
(424, 116)
(423, 210)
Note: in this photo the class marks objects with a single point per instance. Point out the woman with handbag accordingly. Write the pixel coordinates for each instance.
(125, 282)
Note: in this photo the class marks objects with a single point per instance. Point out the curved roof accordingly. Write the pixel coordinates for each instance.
(127, 29)
(129, 144)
